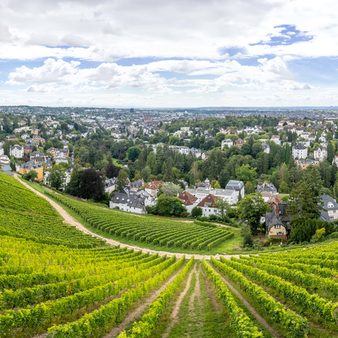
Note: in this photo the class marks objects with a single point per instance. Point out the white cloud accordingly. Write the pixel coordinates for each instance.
(192, 36)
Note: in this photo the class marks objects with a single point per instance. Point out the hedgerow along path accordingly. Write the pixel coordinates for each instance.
(72, 221)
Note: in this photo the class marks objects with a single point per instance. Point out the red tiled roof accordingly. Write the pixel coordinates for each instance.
(208, 201)
(154, 185)
(187, 198)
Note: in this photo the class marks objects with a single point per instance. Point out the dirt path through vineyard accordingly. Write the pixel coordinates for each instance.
(72, 221)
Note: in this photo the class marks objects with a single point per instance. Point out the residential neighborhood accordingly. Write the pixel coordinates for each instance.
(209, 163)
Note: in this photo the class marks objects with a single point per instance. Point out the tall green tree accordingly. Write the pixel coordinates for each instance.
(251, 207)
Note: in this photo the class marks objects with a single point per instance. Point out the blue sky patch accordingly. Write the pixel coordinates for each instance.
(288, 35)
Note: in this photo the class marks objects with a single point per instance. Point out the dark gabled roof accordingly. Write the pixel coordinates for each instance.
(300, 146)
(271, 219)
(235, 185)
(132, 199)
(266, 187)
(328, 202)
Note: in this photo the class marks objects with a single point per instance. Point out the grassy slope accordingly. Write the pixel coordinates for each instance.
(230, 245)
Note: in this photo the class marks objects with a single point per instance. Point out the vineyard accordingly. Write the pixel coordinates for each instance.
(24, 215)
(162, 233)
(58, 282)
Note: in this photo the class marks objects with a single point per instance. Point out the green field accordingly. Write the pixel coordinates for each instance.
(57, 282)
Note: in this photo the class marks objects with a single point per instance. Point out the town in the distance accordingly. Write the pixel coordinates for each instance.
(271, 173)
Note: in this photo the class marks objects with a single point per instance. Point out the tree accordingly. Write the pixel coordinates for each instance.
(56, 178)
(145, 173)
(304, 201)
(215, 184)
(251, 207)
(246, 173)
(133, 153)
(247, 236)
(12, 165)
(112, 170)
(122, 179)
(30, 176)
(223, 206)
(331, 151)
(86, 184)
(196, 212)
(170, 189)
(169, 206)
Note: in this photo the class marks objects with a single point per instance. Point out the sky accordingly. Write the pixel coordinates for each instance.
(177, 53)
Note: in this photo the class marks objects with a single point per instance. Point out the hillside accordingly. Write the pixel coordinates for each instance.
(151, 231)
(58, 282)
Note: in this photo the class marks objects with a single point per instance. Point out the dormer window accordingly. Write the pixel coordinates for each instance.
(330, 205)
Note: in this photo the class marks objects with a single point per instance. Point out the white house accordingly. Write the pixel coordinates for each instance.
(237, 186)
(276, 139)
(110, 185)
(209, 206)
(335, 160)
(230, 196)
(4, 160)
(16, 151)
(329, 212)
(320, 154)
(227, 143)
(299, 151)
(266, 148)
(129, 201)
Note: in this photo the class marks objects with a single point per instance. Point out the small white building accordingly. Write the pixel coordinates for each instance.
(266, 148)
(299, 151)
(16, 151)
(227, 143)
(237, 186)
(335, 160)
(320, 154)
(276, 139)
(209, 206)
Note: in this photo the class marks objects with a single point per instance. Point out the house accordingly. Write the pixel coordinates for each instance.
(16, 151)
(278, 220)
(4, 160)
(266, 148)
(25, 168)
(110, 185)
(335, 160)
(329, 212)
(38, 157)
(188, 199)
(230, 196)
(131, 201)
(238, 186)
(320, 154)
(1, 149)
(136, 185)
(227, 143)
(267, 190)
(239, 143)
(209, 205)
(274, 226)
(276, 139)
(299, 151)
(153, 187)
(303, 164)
